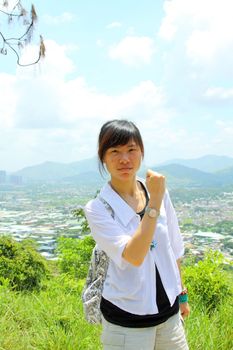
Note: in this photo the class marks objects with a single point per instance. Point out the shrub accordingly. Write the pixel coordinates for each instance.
(21, 266)
(74, 255)
(80, 215)
(207, 281)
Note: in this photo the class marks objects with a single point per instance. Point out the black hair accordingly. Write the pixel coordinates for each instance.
(114, 133)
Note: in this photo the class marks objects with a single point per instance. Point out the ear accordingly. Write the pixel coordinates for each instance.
(105, 167)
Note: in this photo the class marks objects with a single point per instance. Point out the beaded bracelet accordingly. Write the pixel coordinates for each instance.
(183, 297)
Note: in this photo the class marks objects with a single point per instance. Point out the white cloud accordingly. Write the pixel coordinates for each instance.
(219, 93)
(82, 102)
(47, 99)
(32, 98)
(8, 100)
(65, 17)
(46, 116)
(223, 140)
(133, 50)
(196, 46)
(201, 46)
(55, 64)
(166, 142)
(225, 127)
(114, 25)
(206, 27)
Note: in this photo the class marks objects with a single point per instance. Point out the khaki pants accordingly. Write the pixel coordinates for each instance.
(166, 336)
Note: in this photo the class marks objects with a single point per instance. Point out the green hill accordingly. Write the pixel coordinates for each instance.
(179, 175)
(208, 163)
(85, 172)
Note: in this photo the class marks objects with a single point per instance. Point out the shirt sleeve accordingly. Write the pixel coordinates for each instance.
(107, 233)
(174, 233)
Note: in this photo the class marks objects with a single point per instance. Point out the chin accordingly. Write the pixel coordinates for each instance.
(127, 176)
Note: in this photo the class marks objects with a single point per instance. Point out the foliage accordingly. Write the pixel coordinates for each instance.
(207, 331)
(15, 44)
(223, 227)
(74, 255)
(228, 243)
(79, 214)
(21, 266)
(207, 281)
(52, 319)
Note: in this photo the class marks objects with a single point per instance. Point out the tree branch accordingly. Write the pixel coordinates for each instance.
(26, 37)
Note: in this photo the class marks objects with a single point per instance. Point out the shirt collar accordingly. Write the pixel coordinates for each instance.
(123, 211)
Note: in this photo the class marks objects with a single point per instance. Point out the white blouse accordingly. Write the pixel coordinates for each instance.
(132, 288)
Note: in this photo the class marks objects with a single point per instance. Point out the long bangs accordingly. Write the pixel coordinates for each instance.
(117, 133)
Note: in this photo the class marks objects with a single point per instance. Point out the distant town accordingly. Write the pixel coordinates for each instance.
(10, 179)
(40, 212)
(207, 223)
(44, 213)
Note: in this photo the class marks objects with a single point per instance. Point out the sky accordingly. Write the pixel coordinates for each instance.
(165, 65)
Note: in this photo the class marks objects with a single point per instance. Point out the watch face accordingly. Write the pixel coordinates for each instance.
(152, 213)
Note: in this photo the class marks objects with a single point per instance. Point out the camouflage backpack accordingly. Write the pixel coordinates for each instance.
(92, 292)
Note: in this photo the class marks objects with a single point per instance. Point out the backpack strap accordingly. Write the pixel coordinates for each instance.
(107, 206)
(92, 291)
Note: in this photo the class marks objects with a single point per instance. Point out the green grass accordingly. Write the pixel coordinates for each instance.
(210, 332)
(52, 319)
(49, 320)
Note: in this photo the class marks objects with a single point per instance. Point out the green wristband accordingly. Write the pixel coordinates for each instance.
(183, 298)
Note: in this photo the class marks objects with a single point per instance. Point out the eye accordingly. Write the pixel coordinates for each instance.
(132, 149)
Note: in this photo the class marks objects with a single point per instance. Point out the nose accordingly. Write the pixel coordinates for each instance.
(124, 157)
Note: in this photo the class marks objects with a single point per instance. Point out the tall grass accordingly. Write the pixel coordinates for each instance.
(52, 319)
(48, 320)
(210, 331)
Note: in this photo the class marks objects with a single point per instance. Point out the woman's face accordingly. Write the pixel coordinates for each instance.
(123, 161)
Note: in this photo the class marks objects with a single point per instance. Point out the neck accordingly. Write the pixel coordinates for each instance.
(126, 187)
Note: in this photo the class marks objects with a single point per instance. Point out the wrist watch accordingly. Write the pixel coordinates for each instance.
(152, 212)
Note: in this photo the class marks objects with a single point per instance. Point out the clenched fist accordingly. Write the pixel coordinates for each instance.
(155, 184)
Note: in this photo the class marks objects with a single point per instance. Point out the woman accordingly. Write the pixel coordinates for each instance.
(143, 298)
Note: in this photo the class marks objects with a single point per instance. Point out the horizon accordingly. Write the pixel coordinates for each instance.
(166, 66)
(93, 157)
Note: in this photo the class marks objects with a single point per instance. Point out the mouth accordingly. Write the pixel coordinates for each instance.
(125, 169)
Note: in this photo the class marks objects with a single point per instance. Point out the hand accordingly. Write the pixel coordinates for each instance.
(184, 309)
(155, 184)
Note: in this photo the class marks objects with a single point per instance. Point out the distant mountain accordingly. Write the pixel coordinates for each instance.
(90, 178)
(85, 172)
(52, 171)
(208, 163)
(226, 175)
(179, 175)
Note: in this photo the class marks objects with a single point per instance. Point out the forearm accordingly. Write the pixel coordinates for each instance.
(184, 306)
(138, 246)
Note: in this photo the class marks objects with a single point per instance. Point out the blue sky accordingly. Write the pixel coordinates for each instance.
(166, 65)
